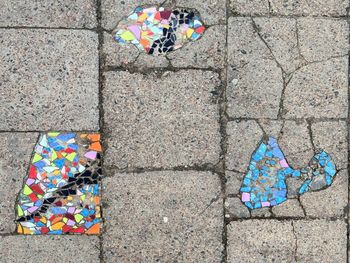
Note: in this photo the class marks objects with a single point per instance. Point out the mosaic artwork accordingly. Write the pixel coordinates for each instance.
(264, 185)
(61, 193)
(159, 30)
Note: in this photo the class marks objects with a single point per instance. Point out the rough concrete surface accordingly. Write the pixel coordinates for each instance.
(48, 13)
(49, 79)
(161, 121)
(177, 217)
(60, 249)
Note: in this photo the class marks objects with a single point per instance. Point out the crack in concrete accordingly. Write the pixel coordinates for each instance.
(298, 41)
(212, 201)
(283, 72)
(307, 63)
(269, 6)
(257, 30)
(295, 243)
(282, 130)
(301, 205)
(261, 128)
(309, 128)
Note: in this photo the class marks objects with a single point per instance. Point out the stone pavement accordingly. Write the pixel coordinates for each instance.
(179, 131)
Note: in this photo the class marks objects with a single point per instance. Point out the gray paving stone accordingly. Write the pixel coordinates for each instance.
(260, 241)
(318, 90)
(309, 7)
(323, 38)
(271, 127)
(290, 208)
(114, 10)
(234, 182)
(211, 11)
(165, 121)
(332, 137)
(16, 150)
(48, 79)
(208, 51)
(295, 143)
(321, 241)
(261, 213)
(249, 7)
(235, 208)
(48, 13)
(60, 249)
(330, 202)
(145, 61)
(280, 35)
(163, 216)
(254, 79)
(243, 138)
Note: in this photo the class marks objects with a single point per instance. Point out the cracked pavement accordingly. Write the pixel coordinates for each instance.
(178, 131)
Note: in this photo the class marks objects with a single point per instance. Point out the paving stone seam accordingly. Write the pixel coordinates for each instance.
(341, 17)
(348, 138)
(45, 131)
(50, 28)
(223, 132)
(217, 169)
(270, 13)
(159, 71)
(99, 31)
(313, 120)
(228, 119)
(132, 69)
(290, 218)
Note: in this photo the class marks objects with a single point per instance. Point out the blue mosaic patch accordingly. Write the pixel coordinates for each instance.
(264, 185)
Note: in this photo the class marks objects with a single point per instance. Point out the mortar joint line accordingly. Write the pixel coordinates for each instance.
(348, 137)
(99, 31)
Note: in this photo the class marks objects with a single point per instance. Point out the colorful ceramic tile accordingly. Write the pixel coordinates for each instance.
(264, 185)
(61, 193)
(159, 30)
